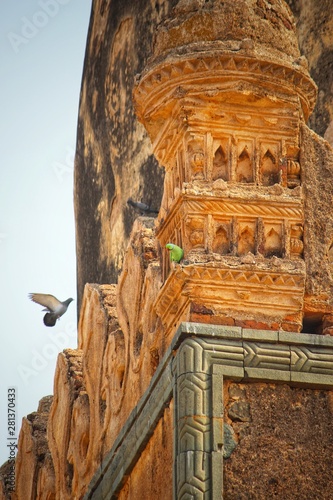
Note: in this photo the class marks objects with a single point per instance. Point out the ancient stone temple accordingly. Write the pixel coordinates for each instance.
(211, 377)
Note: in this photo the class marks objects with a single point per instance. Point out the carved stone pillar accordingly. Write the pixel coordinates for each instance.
(223, 109)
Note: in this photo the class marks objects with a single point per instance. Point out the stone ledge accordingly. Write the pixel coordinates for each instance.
(232, 332)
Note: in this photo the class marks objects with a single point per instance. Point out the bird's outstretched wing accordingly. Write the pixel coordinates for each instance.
(46, 300)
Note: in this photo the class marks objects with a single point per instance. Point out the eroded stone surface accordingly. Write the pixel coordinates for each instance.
(278, 451)
(97, 385)
(152, 475)
(224, 118)
(317, 160)
(34, 470)
(67, 387)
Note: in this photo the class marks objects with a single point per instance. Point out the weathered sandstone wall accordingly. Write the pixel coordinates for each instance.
(114, 158)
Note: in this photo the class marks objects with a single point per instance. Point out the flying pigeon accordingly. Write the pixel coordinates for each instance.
(54, 307)
(142, 208)
(176, 253)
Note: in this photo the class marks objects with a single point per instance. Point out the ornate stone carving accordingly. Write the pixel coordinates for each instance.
(229, 292)
(196, 159)
(221, 162)
(232, 113)
(195, 232)
(296, 240)
(220, 69)
(221, 237)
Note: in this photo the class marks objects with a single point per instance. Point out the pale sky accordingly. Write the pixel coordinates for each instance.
(41, 52)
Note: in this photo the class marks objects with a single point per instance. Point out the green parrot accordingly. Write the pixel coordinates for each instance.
(176, 253)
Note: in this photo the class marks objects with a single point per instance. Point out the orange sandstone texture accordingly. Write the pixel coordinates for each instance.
(269, 24)
(34, 469)
(68, 386)
(224, 110)
(152, 474)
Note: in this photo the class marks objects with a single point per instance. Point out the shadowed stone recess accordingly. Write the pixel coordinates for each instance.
(314, 24)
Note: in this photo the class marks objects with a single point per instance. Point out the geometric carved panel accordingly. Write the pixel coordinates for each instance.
(193, 475)
(240, 356)
(275, 294)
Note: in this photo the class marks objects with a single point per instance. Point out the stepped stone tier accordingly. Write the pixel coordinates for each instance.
(210, 378)
(223, 98)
